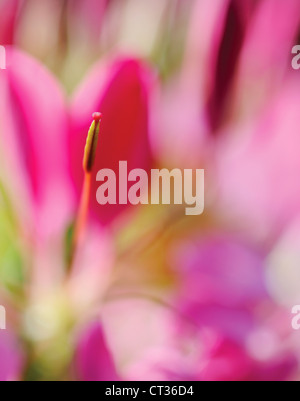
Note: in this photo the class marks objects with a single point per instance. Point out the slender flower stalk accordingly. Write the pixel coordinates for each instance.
(88, 164)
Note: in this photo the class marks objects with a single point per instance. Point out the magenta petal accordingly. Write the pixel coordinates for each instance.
(221, 270)
(280, 369)
(273, 31)
(259, 167)
(221, 280)
(87, 15)
(10, 357)
(227, 361)
(121, 92)
(213, 50)
(266, 55)
(8, 16)
(33, 128)
(93, 359)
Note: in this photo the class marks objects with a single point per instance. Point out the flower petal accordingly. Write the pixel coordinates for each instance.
(121, 93)
(94, 361)
(266, 54)
(258, 167)
(33, 130)
(8, 16)
(10, 357)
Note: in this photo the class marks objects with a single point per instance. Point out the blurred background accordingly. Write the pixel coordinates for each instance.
(151, 294)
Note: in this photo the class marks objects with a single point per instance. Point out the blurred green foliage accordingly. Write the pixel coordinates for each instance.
(12, 275)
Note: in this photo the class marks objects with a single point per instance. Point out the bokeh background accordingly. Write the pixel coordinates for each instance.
(152, 294)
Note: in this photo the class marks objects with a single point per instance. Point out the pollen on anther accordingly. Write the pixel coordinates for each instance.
(97, 116)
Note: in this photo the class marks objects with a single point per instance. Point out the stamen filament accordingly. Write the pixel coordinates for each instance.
(88, 164)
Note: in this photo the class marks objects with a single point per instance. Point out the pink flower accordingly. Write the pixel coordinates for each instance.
(222, 293)
(200, 94)
(34, 121)
(235, 63)
(241, 119)
(94, 361)
(40, 140)
(257, 154)
(208, 310)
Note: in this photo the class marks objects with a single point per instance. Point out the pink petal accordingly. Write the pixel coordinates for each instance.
(266, 55)
(10, 357)
(93, 360)
(87, 15)
(215, 42)
(258, 167)
(227, 361)
(280, 369)
(8, 16)
(222, 270)
(221, 281)
(33, 130)
(197, 101)
(121, 92)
